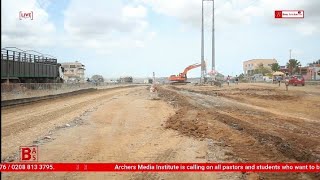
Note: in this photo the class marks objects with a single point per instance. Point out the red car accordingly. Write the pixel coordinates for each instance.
(295, 80)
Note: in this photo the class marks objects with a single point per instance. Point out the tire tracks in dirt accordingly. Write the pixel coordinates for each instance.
(248, 140)
(24, 124)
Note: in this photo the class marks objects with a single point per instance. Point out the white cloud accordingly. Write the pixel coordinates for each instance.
(44, 4)
(138, 12)
(25, 33)
(105, 25)
(307, 28)
(234, 12)
(189, 11)
(310, 25)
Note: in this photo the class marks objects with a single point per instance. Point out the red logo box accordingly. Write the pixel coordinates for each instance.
(289, 14)
(29, 153)
(277, 14)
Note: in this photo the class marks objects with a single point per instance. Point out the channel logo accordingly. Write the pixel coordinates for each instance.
(289, 14)
(28, 153)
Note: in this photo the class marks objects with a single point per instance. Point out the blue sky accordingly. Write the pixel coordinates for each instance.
(136, 37)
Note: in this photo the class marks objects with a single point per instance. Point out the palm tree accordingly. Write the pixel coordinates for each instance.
(293, 65)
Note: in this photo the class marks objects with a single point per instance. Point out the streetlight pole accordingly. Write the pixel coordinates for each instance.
(203, 66)
(213, 40)
(202, 45)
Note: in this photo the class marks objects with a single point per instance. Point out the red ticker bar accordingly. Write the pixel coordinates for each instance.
(160, 167)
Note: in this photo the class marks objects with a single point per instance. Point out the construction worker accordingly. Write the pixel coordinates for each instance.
(279, 79)
(228, 80)
(237, 79)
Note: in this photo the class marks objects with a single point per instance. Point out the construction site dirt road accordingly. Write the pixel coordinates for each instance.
(244, 123)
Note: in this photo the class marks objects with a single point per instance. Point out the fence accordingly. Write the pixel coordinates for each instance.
(11, 55)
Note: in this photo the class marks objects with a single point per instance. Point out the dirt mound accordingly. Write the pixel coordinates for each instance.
(173, 98)
(262, 94)
(188, 122)
(252, 135)
(236, 93)
(240, 95)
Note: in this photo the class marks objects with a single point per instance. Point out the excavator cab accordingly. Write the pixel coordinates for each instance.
(183, 75)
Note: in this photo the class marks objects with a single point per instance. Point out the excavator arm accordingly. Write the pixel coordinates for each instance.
(182, 77)
(190, 67)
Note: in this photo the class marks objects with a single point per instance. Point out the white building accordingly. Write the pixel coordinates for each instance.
(250, 65)
(73, 72)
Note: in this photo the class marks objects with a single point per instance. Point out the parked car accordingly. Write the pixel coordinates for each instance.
(296, 79)
(267, 79)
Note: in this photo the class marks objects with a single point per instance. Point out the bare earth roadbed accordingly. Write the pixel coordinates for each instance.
(188, 124)
(123, 126)
(251, 132)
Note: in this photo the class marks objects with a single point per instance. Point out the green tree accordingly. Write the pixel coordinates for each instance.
(241, 76)
(293, 65)
(275, 67)
(97, 78)
(261, 70)
(314, 62)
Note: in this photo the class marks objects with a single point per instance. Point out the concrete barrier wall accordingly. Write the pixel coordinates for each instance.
(14, 102)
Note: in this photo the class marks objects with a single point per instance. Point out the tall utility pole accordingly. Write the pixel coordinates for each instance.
(202, 46)
(203, 67)
(213, 48)
(290, 53)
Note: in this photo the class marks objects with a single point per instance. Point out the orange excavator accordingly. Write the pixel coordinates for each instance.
(182, 77)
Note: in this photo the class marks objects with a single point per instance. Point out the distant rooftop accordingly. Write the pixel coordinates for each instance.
(260, 59)
(76, 62)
